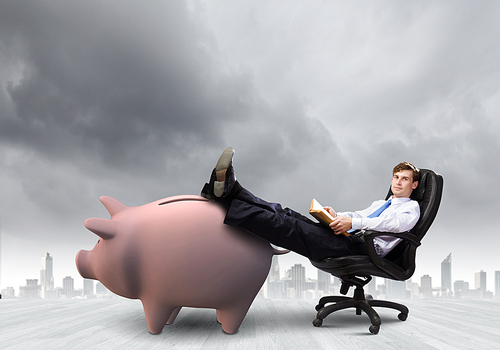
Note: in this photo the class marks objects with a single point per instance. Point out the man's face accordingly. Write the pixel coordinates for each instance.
(402, 183)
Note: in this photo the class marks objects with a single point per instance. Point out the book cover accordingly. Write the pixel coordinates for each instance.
(319, 212)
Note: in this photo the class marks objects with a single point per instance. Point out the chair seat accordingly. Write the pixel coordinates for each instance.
(360, 265)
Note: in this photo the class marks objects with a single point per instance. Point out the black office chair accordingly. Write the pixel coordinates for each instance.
(399, 264)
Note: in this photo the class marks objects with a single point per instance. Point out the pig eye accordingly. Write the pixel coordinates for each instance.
(98, 241)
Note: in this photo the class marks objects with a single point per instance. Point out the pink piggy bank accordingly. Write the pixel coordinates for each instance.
(177, 252)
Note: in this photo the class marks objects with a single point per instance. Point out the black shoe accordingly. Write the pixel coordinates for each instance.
(224, 174)
(208, 189)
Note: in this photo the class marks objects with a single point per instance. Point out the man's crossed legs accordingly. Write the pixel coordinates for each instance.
(283, 227)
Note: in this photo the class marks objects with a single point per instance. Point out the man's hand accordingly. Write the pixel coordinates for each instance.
(330, 211)
(341, 224)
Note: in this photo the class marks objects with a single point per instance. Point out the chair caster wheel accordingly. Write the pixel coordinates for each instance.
(402, 316)
(374, 329)
(317, 322)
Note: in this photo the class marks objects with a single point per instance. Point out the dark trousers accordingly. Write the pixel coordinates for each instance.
(289, 229)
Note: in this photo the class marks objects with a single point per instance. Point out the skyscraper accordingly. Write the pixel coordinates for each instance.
(298, 273)
(274, 274)
(426, 285)
(69, 287)
(480, 281)
(274, 288)
(446, 274)
(88, 287)
(324, 281)
(47, 273)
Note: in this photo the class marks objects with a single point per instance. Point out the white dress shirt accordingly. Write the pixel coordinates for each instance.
(400, 216)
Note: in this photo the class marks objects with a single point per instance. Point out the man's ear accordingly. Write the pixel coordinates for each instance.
(414, 185)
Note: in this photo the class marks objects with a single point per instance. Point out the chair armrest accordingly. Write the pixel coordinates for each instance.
(383, 263)
(369, 235)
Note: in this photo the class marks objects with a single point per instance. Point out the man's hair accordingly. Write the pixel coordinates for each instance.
(407, 166)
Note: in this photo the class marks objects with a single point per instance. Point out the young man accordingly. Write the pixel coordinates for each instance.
(291, 230)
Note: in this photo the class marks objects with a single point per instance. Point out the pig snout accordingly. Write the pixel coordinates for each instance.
(83, 264)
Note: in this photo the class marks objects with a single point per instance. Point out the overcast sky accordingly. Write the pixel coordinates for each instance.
(136, 100)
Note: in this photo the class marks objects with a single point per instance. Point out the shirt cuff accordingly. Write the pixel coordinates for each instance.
(357, 223)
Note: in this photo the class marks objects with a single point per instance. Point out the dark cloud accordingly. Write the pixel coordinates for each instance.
(113, 92)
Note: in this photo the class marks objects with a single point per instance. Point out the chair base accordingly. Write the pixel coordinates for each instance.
(359, 302)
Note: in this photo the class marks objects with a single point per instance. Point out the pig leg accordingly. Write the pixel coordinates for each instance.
(157, 315)
(174, 315)
(231, 317)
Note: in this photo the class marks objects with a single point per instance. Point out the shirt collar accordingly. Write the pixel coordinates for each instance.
(398, 200)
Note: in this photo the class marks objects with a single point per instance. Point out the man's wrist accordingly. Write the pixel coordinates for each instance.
(357, 223)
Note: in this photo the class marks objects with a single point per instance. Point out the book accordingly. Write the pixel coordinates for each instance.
(319, 212)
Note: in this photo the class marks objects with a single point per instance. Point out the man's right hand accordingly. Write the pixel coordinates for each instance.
(341, 224)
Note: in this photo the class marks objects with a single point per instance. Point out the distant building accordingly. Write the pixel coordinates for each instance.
(101, 289)
(274, 290)
(47, 273)
(47, 278)
(426, 286)
(69, 287)
(395, 289)
(371, 287)
(30, 290)
(446, 275)
(461, 289)
(298, 275)
(274, 273)
(324, 281)
(8, 293)
(88, 288)
(480, 281)
(412, 289)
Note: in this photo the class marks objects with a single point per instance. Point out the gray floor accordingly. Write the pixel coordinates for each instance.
(278, 324)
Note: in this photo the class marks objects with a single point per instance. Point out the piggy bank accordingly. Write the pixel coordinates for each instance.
(177, 252)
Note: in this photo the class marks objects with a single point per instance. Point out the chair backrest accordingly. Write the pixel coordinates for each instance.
(428, 194)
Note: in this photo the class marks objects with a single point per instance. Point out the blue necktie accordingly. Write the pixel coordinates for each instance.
(376, 213)
(379, 211)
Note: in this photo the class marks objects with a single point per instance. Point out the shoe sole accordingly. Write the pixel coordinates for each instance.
(221, 169)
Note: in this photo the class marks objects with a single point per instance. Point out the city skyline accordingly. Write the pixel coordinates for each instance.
(289, 283)
(16, 276)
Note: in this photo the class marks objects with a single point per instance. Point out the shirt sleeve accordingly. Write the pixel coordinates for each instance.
(400, 218)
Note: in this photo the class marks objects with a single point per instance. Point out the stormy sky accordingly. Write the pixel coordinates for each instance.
(136, 100)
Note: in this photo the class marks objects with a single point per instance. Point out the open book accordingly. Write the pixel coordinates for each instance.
(321, 214)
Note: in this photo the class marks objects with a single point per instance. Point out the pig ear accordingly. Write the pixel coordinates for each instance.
(112, 205)
(104, 228)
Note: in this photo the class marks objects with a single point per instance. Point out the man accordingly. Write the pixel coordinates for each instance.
(289, 229)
